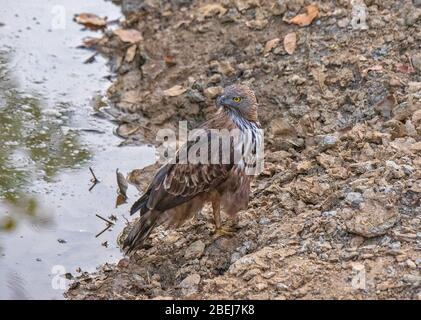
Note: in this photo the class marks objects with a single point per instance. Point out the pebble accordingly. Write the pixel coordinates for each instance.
(416, 61)
(195, 96)
(195, 250)
(213, 92)
(411, 264)
(190, 283)
(354, 198)
(327, 141)
(414, 279)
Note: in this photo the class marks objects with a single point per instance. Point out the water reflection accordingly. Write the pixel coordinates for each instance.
(34, 144)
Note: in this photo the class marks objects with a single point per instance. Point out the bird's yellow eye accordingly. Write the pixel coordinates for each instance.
(236, 99)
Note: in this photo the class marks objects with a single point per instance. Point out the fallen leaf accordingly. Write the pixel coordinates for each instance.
(404, 68)
(128, 35)
(290, 42)
(90, 21)
(305, 19)
(90, 42)
(270, 45)
(174, 91)
(120, 200)
(130, 53)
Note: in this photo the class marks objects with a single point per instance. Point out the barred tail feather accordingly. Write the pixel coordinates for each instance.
(141, 231)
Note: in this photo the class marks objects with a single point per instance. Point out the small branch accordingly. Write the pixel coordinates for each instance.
(94, 178)
(105, 229)
(105, 219)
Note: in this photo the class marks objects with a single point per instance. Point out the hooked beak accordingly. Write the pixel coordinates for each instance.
(221, 101)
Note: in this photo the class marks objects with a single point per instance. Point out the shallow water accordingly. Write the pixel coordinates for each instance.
(49, 138)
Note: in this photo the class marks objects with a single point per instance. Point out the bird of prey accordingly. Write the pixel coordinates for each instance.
(180, 188)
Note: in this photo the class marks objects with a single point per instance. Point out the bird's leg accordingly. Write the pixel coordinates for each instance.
(219, 230)
(216, 207)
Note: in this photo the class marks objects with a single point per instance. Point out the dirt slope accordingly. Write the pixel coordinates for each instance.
(336, 214)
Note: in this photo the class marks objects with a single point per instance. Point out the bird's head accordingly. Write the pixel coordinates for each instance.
(239, 99)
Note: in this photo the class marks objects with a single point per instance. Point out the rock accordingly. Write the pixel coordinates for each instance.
(190, 284)
(413, 279)
(412, 17)
(416, 61)
(411, 264)
(327, 141)
(195, 250)
(225, 68)
(296, 79)
(242, 5)
(279, 8)
(372, 219)
(354, 199)
(213, 92)
(216, 78)
(123, 263)
(342, 23)
(395, 169)
(281, 127)
(195, 96)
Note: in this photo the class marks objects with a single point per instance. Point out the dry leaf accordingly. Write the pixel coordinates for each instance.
(90, 42)
(305, 19)
(130, 53)
(404, 68)
(90, 21)
(290, 42)
(120, 200)
(174, 91)
(128, 35)
(270, 45)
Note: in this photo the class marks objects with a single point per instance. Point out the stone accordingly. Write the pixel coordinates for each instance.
(411, 264)
(416, 61)
(190, 284)
(354, 199)
(213, 92)
(195, 250)
(372, 219)
(195, 96)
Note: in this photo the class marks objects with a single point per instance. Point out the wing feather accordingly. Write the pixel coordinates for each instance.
(177, 183)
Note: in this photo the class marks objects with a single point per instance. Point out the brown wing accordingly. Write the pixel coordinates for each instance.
(176, 183)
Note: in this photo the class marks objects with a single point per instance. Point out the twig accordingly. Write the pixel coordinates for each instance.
(105, 219)
(94, 178)
(105, 229)
(91, 58)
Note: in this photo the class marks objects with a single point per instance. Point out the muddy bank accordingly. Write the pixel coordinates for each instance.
(336, 213)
